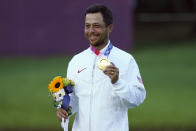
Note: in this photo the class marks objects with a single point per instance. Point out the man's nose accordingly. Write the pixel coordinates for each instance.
(91, 29)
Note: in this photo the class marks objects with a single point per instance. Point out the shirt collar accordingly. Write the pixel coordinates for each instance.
(102, 51)
(98, 52)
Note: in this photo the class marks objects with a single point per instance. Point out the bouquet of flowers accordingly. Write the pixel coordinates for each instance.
(60, 88)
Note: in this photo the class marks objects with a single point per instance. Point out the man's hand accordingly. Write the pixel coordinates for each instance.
(112, 72)
(61, 113)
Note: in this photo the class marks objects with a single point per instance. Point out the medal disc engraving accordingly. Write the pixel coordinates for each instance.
(102, 63)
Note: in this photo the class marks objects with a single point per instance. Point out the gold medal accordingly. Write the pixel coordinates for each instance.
(102, 63)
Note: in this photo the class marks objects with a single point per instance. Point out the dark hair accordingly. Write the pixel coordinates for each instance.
(104, 10)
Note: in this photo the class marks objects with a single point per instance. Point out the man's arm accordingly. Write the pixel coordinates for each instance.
(130, 88)
(61, 113)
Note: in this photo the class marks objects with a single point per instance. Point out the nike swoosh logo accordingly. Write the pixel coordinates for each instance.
(81, 70)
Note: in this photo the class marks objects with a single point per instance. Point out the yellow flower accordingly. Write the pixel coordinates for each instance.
(56, 84)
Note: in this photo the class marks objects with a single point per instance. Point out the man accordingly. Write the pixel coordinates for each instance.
(103, 92)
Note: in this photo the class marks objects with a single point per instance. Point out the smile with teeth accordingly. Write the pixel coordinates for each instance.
(93, 38)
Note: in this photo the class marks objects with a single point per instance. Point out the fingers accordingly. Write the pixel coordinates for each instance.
(70, 107)
(112, 72)
(61, 113)
(110, 68)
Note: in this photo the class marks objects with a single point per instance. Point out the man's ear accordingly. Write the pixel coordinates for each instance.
(110, 27)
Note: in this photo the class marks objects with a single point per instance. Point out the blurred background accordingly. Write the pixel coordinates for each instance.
(39, 37)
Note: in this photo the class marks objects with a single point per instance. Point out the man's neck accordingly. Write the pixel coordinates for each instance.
(101, 46)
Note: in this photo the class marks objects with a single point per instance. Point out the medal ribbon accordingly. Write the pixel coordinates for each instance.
(108, 50)
(97, 52)
(106, 53)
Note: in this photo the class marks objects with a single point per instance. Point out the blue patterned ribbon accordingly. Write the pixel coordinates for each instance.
(108, 50)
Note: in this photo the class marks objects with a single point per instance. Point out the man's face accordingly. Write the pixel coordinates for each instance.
(95, 30)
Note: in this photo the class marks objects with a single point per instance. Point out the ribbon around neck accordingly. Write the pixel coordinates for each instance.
(107, 51)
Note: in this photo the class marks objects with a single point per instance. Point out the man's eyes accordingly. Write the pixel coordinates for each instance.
(97, 26)
(94, 26)
(87, 26)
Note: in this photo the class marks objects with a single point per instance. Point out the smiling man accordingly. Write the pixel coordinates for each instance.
(107, 79)
(96, 30)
